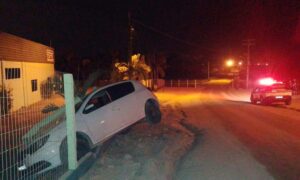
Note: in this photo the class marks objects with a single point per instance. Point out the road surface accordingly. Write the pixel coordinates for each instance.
(235, 139)
(210, 133)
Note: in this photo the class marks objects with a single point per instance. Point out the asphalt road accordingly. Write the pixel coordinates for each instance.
(236, 140)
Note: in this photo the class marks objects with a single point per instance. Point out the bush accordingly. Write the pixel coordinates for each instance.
(47, 88)
(50, 86)
(5, 100)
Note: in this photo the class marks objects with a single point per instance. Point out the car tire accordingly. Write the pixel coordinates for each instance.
(63, 153)
(263, 101)
(152, 111)
(82, 148)
(288, 102)
(252, 100)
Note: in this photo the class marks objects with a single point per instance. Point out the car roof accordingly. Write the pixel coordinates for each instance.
(271, 86)
(136, 85)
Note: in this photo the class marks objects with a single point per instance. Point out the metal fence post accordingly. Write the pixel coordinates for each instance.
(70, 120)
(187, 83)
(178, 83)
(195, 83)
(171, 83)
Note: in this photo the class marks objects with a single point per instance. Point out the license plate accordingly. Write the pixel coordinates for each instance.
(278, 97)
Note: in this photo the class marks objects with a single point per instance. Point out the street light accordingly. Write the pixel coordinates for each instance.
(229, 62)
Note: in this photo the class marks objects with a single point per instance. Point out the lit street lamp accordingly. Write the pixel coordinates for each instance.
(229, 63)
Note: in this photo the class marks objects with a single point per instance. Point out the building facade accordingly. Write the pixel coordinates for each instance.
(24, 65)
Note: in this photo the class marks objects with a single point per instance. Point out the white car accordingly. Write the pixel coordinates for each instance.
(99, 116)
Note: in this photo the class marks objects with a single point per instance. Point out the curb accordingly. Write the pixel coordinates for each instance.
(83, 166)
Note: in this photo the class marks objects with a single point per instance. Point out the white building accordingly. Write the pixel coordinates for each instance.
(24, 64)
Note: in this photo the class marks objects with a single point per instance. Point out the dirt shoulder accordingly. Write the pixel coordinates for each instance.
(146, 151)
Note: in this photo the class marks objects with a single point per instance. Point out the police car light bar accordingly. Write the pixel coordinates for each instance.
(267, 81)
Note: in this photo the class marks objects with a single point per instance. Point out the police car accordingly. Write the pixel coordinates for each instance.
(270, 91)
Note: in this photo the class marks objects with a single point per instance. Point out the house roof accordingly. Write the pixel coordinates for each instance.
(14, 48)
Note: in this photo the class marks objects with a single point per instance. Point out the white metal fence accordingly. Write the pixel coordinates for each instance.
(190, 83)
(31, 105)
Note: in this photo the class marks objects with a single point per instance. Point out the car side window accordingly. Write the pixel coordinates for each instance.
(120, 90)
(99, 100)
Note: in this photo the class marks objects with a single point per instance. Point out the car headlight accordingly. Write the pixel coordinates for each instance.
(40, 142)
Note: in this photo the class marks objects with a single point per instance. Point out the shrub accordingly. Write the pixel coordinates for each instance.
(5, 100)
(47, 88)
(50, 86)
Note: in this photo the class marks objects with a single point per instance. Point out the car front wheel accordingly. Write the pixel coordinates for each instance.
(82, 148)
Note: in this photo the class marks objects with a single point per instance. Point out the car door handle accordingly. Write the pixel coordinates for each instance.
(102, 122)
(115, 108)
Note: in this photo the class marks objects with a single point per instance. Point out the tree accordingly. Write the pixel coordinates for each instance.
(137, 69)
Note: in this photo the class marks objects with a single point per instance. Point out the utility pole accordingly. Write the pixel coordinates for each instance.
(208, 70)
(248, 43)
(130, 37)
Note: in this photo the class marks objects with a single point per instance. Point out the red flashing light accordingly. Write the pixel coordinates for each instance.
(267, 81)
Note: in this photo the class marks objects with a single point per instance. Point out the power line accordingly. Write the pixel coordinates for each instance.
(164, 34)
(170, 36)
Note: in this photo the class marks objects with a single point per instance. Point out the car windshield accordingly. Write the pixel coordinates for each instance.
(78, 105)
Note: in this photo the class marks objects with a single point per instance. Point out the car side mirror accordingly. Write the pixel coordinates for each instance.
(88, 107)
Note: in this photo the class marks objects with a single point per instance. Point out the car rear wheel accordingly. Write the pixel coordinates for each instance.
(264, 101)
(288, 102)
(152, 111)
(252, 100)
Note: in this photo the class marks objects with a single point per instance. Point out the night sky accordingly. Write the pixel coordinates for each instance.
(187, 31)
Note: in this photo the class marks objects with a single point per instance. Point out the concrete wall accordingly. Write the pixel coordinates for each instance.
(22, 94)
(14, 85)
(37, 71)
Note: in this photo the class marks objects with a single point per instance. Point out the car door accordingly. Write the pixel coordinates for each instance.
(123, 102)
(97, 112)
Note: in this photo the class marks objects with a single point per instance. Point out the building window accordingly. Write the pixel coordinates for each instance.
(34, 85)
(12, 73)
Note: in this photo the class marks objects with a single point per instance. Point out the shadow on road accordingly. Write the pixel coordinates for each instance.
(275, 105)
(237, 101)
